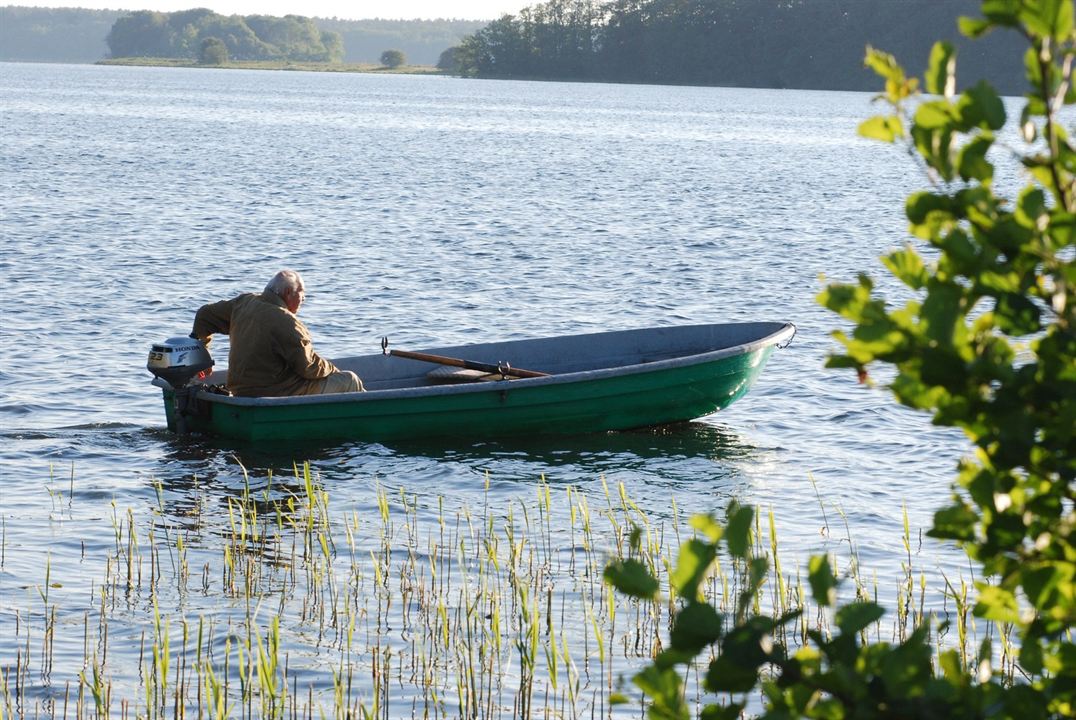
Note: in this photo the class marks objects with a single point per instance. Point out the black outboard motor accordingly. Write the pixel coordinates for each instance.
(174, 363)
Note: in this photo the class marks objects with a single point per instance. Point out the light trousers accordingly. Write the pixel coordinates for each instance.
(339, 382)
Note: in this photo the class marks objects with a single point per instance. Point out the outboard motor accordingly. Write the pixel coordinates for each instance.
(178, 360)
(174, 364)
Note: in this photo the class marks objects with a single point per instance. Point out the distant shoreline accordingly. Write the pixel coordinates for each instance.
(276, 65)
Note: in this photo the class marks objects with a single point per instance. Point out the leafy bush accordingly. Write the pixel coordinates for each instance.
(213, 52)
(987, 344)
(449, 60)
(393, 59)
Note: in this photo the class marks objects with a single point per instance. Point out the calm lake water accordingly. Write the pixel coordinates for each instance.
(432, 211)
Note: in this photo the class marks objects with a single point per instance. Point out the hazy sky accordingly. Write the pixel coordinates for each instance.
(355, 9)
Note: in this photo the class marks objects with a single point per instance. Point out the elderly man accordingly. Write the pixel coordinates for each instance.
(271, 354)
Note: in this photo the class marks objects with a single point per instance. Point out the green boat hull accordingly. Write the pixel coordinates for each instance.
(638, 395)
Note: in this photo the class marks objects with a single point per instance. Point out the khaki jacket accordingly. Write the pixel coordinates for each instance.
(271, 353)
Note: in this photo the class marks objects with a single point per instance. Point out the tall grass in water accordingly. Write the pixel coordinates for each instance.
(270, 602)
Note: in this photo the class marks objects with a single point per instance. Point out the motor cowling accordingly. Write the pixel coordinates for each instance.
(179, 360)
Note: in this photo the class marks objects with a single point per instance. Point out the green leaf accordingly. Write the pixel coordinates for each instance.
(695, 627)
(1063, 231)
(960, 250)
(887, 128)
(708, 526)
(663, 687)
(943, 368)
(823, 583)
(1032, 69)
(857, 616)
(974, 27)
(1031, 657)
(669, 658)
(1063, 21)
(692, 565)
(1065, 657)
(954, 523)
(631, 578)
(1000, 283)
(935, 146)
(732, 711)
(907, 266)
(935, 115)
(1017, 315)
(921, 204)
(971, 160)
(941, 311)
(898, 86)
(738, 533)
(1036, 107)
(982, 485)
(916, 394)
(1002, 12)
(848, 300)
(980, 106)
(731, 675)
(884, 65)
(1042, 173)
(940, 78)
(996, 603)
(1031, 210)
(876, 337)
(843, 362)
(906, 669)
(616, 698)
(1048, 18)
(1040, 585)
(952, 668)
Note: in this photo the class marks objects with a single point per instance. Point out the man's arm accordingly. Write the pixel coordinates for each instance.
(213, 318)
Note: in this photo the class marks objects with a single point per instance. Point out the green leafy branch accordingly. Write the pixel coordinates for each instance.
(834, 674)
(987, 344)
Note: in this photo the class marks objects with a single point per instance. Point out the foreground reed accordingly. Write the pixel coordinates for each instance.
(265, 604)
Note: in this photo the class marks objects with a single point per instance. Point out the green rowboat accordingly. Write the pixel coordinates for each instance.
(581, 383)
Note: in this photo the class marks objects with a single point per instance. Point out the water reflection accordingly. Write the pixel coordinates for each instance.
(678, 440)
(696, 465)
(596, 452)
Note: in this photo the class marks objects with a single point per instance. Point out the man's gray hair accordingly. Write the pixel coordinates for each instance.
(283, 281)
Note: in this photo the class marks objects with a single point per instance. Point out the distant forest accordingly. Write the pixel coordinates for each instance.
(68, 35)
(810, 44)
(254, 37)
(76, 35)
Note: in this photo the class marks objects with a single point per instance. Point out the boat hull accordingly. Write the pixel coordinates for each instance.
(636, 395)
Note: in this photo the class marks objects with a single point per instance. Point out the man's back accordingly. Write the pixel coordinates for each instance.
(271, 352)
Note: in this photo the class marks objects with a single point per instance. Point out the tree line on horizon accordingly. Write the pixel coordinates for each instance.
(810, 44)
(184, 34)
(77, 35)
(67, 35)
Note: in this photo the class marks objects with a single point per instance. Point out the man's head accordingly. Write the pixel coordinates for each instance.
(289, 286)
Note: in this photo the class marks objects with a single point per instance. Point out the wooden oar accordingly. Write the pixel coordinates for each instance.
(502, 368)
